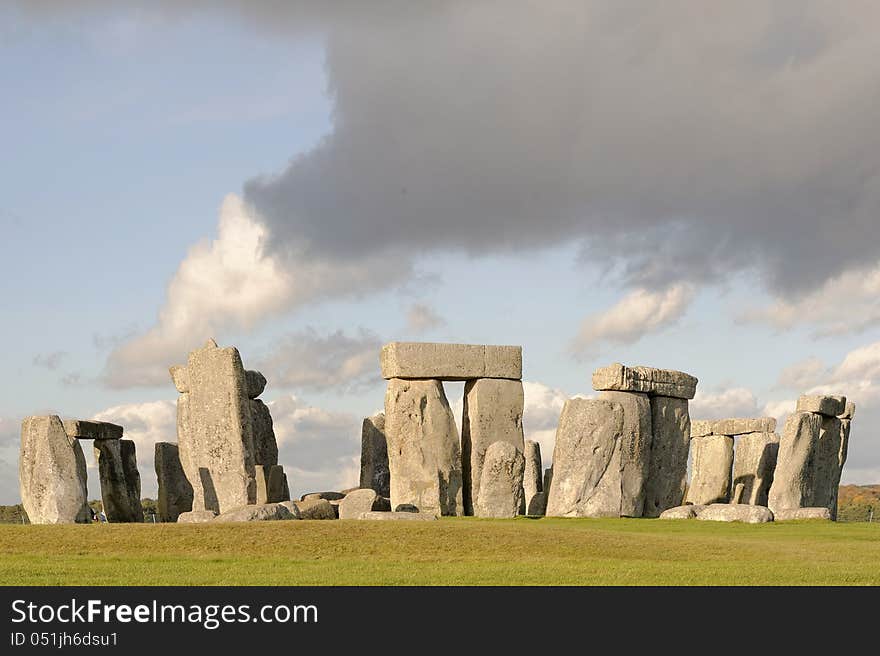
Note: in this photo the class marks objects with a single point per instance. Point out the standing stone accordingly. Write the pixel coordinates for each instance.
(793, 479)
(753, 465)
(52, 473)
(826, 474)
(175, 492)
(120, 497)
(548, 479)
(845, 424)
(738, 492)
(586, 460)
(215, 430)
(667, 477)
(501, 481)
(532, 483)
(635, 449)
(424, 457)
(265, 446)
(712, 463)
(374, 456)
(270, 484)
(537, 507)
(493, 410)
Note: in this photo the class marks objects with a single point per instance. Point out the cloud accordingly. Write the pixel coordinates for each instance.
(422, 319)
(639, 313)
(50, 361)
(541, 411)
(309, 360)
(232, 283)
(732, 402)
(802, 375)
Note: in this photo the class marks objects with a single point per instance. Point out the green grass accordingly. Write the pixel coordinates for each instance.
(454, 551)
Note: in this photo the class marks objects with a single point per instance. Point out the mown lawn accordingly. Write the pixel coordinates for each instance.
(453, 551)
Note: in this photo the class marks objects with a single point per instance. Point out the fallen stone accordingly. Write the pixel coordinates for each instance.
(743, 426)
(667, 473)
(537, 506)
(532, 483)
(712, 465)
(196, 517)
(793, 479)
(374, 456)
(424, 457)
(850, 411)
(175, 494)
(119, 501)
(52, 473)
(397, 516)
(701, 428)
(82, 429)
(501, 482)
(753, 465)
(270, 484)
(263, 429)
(423, 360)
(492, 412)
(256, 383)
(329, 496)
(802, 513)
(256, 513)
(726, 512)
(586, 460)
(830, 406)
(313, 509)
(358, 502)
(688, 511)
(662, 382)
(635, 449)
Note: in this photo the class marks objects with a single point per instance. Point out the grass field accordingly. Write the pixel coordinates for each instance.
(459, 551)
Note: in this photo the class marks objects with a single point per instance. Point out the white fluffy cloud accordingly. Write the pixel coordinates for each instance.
(731, 402)
(638, 313)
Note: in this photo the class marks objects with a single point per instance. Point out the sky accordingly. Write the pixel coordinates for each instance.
(681, 185)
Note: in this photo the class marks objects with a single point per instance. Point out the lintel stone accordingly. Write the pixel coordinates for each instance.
(82, 429)
(660, 382)
(450, 362)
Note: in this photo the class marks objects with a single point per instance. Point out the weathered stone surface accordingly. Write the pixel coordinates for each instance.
(257, 513)
(841, 459)
(313, 509)
(793, 485)
(397, 516)
(532, 482)
(493, 410)
(635, 449)
(753, 466)
(727, 512)
(667, 473)
(501, 481)
(850, 411)
(662, 382)
(329, 496)
(52, 473)
(548, 478)
(586, 460)
(180, 378)
(424, 457)
(358, 502)
(265, 446)
(82, 429)
(738, 493)
(802, 513)
(215, 431)
(742, 426)
(827, 468)
(424, 360)
(830, 406)
(270, 484)
(196, 517)
(120, 502)
(701, 427)
(374, 456)
(256, 383)
(293, 508)
(688, 511)
(712, 465)
(175, 492)
(537, 507)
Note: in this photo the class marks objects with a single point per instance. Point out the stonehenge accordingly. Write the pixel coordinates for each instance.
(374, 456)
(225, 436)
(500, 490)
(120, 480)
(430, 467)
(533, 483)
(175, 494)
